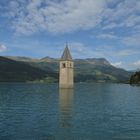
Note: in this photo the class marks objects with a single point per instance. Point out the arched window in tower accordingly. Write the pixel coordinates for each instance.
(70, 65)
(63, 65)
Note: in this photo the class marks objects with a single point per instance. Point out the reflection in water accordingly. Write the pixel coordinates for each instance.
(65, 105)
(93, 112)
(66, 112)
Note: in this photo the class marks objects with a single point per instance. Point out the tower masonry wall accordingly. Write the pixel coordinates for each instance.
(66, 74)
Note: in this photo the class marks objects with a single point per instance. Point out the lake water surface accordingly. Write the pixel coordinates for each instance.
(88, 112)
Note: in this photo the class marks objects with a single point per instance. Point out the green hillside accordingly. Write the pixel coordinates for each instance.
(15, 71)
(86, 70)
(90, 70)
(99, 70)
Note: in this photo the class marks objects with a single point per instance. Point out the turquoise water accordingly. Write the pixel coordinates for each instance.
(89, 112)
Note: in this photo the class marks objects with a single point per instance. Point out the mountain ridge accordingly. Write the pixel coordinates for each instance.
(86, 70)
(18, 71)
(50, 59)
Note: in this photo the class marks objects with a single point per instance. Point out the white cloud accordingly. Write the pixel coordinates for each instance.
(124, 14)
(77, 46)
(110, 25)
(107, 36)
(80, 50)
(56, 17)
(112, 52)
(137, 63)
(133, 40)
(117, 64)
(72, 15)
(127, 52)
(3, 48)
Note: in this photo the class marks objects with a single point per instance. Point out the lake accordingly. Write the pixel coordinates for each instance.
(88, 112)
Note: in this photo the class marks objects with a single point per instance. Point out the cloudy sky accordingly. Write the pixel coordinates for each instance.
(93, 29)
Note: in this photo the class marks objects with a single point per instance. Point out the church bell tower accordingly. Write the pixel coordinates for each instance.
(66, 73)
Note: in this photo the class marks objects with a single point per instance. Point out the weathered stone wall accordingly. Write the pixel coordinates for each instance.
(66, 74)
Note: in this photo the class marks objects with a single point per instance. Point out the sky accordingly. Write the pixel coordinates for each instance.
(93, 29)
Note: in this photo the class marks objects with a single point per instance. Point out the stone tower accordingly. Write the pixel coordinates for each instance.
(66, 73)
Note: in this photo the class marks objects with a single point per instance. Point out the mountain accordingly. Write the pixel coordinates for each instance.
(97, 61)
(46, 63)
(135, 70)
(99, 70)
(22, 58)
(48, 59)
(18, 71)
(135, 78)
(86, 70)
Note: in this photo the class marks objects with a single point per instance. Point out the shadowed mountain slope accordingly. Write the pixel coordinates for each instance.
(17, 71)
(86, 70)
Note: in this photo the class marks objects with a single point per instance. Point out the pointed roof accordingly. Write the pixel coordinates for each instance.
(66, 54)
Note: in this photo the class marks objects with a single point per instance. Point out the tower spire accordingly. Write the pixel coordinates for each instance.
(66, 54)
(66, 44)
(66, 75)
